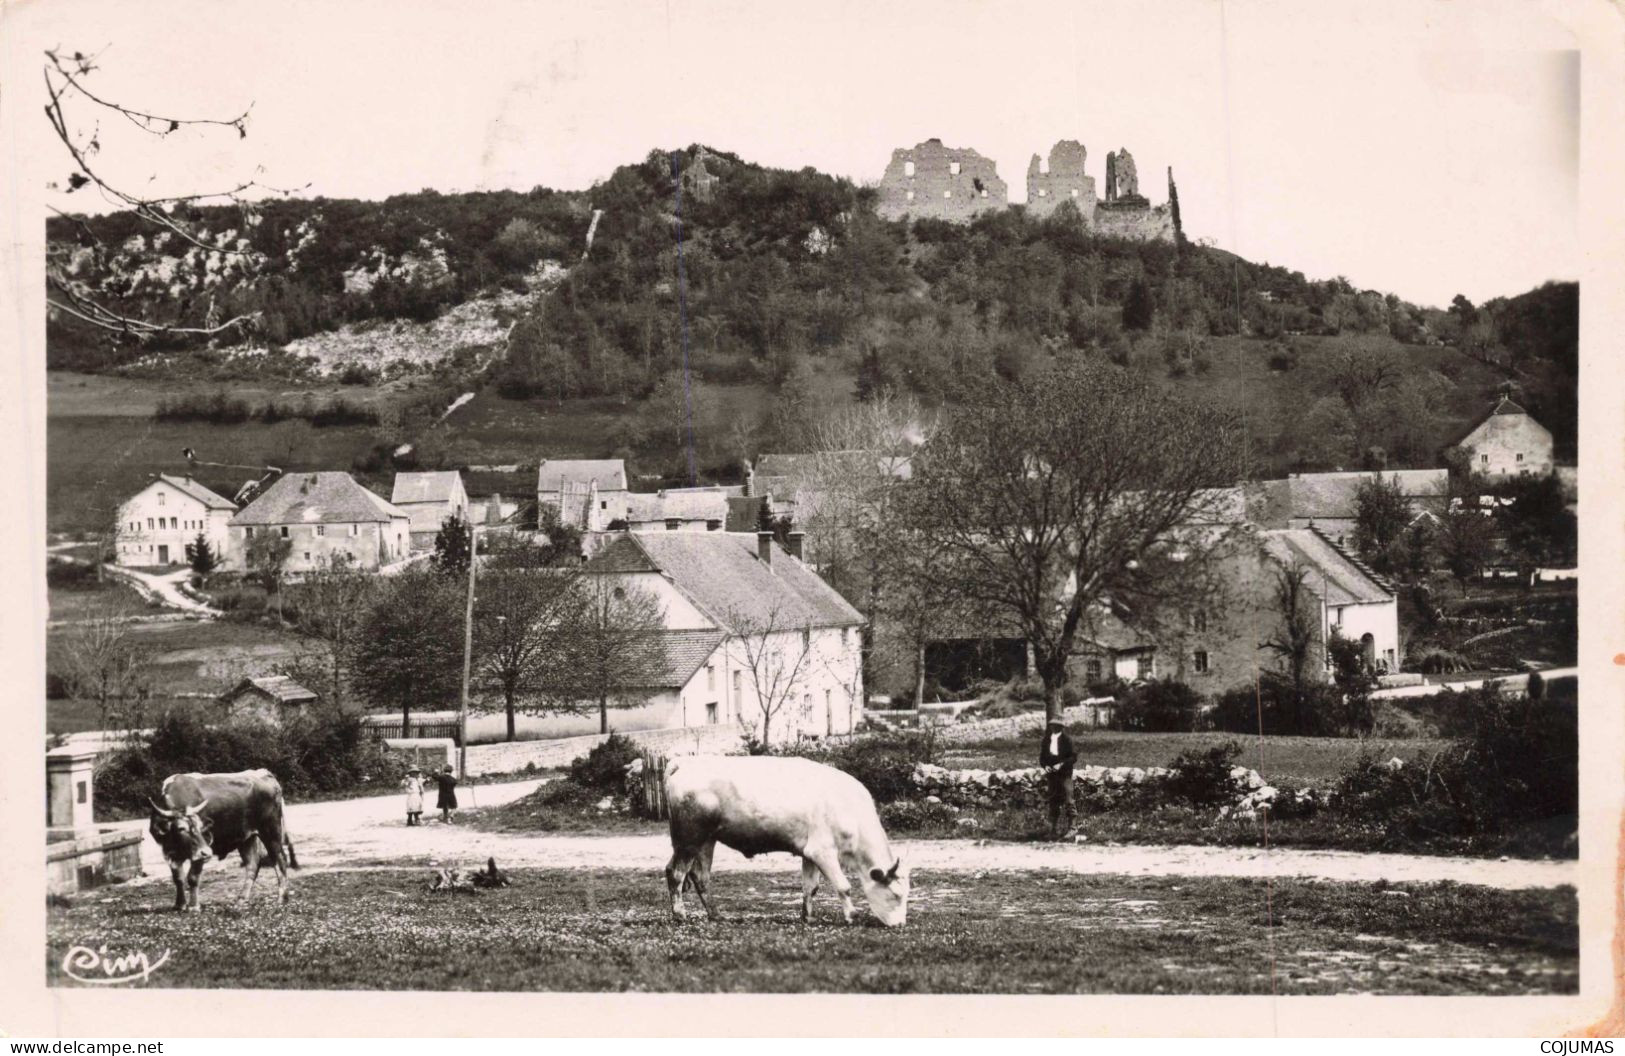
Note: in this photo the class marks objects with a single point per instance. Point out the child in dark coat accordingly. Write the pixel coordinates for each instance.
(447, 801)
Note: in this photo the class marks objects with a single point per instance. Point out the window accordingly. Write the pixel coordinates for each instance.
(307, 555)
(284, 531)
(248, 533)
(953, 168)
(603, 504)
(149, 524)
(1483, 458)
(947, 194)
(909, 195)
(1091, 670)
(908, 169)
(173, 522)
(711, 714)
(982, 192)
(321, 529)
(713, 526)
(1074, 192)
(355, 529)
(1337, 617)
(710, 677)
(1201, 662)
(160, 498)
(736, 688)
(1042, 193)
(1143, 666)
(672, 524)
(1520, 456)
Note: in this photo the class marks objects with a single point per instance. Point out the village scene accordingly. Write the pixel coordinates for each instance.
(737, 577)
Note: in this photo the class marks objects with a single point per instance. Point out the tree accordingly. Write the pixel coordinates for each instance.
(1535, 521)
(102, 660)
(266, 555)
(452, 546)
(563, 540)
(332, 603)
(1381, 515)
(1138, 307)
(1294, 637)
(777, 657)
(616, 654)
(409, 646)
(1465, 541)
(1079, 484)
(524, 619)
(1354, 678)
(201, 556)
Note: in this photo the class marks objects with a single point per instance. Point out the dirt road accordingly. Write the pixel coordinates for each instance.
(371, 833)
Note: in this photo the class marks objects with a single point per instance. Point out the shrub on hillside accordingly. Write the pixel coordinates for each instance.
(1161, 706)
(604, 768)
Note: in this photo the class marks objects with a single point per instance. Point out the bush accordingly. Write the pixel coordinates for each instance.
(1161, 706)
(881, 764)
(1316, 711)
(911, 816)
(604, 768)
(1202, 776)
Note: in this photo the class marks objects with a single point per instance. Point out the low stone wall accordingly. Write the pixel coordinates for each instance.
(84, 860)
(511, 756)
(1090, 711)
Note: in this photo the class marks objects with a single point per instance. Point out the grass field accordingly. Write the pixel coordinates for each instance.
(564, 930)
(1315, 761)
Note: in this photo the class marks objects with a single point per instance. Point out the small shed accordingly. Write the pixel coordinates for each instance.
(268, 696)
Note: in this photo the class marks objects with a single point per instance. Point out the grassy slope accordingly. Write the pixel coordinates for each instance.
(998, 933)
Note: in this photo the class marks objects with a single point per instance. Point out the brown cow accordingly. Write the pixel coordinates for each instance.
(219, 814)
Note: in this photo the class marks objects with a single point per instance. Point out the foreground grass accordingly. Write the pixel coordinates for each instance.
(967, 933)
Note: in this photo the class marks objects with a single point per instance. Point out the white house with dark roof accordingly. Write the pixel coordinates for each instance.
(589, 493)
(158, 522)
(429, 499)
(323, 515)
(1506, 442)
(787, 647)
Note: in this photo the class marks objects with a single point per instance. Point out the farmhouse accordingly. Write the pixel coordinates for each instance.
(163, 518)
(678, 510)
(323, 515)
(752, 635)
(1506, 442)
(429, 499)
(588, 493)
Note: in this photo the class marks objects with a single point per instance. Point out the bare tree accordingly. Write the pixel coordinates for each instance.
(778, 659)
(102, 660)
(75, 113)
(615, 651)
(1073, 485)
(1297, 627)
(332, 604)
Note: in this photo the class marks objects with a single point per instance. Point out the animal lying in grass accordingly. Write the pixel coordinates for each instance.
(763, 804)
(464, 882)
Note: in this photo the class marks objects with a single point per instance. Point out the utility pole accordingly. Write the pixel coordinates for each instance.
(468, 656)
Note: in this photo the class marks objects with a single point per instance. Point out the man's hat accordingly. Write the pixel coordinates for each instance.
(414, 770)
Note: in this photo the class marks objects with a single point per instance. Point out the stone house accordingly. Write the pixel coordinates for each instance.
(1221, 644)
(429, 499)
(1506, 442)
(753, 627)
(274, 698)
(932, 181)
(158, 522)
(323, 515)
(681, 510)
(589, 493)
(1329, 501)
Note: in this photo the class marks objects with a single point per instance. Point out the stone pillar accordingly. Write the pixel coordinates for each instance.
(70, 787)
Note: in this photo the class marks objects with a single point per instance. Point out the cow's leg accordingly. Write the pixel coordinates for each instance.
(192, 876)
(252, 855)
(676, 875)
(829, 863)
(809, 886)
(700, 875)
(177, 870)
(279, 858)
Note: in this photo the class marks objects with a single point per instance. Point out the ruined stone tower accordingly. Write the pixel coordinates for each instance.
(1122, 182)
(1061, 179)
(940, 182)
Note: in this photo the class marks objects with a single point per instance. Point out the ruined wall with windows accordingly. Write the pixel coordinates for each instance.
(1060, 178)
(943, 183)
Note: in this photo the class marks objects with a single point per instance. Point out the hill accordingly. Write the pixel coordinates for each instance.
(786, 294)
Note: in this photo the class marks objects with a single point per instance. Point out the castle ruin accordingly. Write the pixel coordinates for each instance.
(941, 183)
(944, 183)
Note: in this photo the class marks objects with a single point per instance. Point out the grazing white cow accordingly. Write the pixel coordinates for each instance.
(762, 804)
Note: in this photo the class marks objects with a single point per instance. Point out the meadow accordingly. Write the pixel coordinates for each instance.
(985, 932)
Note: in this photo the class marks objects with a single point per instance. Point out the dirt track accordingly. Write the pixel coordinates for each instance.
(371, 833)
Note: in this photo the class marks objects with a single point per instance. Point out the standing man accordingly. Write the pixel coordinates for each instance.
(1057, 756)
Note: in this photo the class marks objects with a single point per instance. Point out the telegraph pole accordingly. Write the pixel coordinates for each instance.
(468, 656)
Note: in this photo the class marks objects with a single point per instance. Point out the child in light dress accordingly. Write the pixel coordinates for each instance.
(413, 783)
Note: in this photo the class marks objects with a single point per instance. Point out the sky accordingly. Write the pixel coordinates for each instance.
(1425, 148)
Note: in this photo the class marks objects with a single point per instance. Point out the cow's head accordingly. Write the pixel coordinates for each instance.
(183, 834)
(887, 892)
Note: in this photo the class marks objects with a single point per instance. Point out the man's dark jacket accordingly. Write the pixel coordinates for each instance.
(1065, 754)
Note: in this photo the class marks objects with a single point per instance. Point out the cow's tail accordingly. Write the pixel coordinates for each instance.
(287, 841)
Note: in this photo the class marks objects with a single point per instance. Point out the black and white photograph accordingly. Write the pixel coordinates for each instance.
(707, 498)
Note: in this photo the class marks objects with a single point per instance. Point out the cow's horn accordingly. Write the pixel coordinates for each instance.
(197, 808)
(161, 810)
(892, 873)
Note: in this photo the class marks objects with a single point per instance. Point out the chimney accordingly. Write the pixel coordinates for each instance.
(764, 547)
(794, 546)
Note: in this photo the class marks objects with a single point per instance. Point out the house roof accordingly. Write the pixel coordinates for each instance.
(1342, 578)
(721, 574)
(426, 487)
(1331, 496)
(685, 652)
(284, 689)
(682, 505)
(1502, 406)
(315, 498)
(197, 491)
(608, 473)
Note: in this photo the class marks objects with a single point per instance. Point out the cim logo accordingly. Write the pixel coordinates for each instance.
(96, 967)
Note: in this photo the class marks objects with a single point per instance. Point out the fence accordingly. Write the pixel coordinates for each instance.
(429, 726)
(651, 791)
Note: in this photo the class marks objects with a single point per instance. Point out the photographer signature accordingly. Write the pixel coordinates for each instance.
(97, 968)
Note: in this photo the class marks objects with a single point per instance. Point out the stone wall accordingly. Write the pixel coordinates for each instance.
(512, 756)
(1062, 180)
(1027, 722)
(1135, 219)
(938, 182)
(78, 861)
